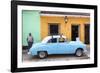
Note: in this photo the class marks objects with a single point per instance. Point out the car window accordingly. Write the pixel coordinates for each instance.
(53, 40)
(61, 40)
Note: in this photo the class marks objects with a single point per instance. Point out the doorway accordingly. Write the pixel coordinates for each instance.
(87, 33)
(74, 32)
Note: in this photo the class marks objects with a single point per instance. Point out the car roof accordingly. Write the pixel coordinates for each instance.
(55, 36)
(49, 37)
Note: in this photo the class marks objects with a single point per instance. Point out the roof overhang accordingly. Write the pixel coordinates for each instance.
(53, 13)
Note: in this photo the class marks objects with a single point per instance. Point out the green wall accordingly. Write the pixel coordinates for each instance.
(31, 24)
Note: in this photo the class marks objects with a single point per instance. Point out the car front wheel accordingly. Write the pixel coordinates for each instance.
(42, 54)
(79, 52)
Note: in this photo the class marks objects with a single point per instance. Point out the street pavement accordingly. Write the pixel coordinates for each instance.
(27, 57)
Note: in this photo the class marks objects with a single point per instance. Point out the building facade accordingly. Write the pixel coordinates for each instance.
(44, 23)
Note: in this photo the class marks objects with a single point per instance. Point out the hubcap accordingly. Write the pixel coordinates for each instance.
(79, 52)
(42, 54)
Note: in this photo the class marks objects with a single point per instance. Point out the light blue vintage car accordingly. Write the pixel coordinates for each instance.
(53, 45)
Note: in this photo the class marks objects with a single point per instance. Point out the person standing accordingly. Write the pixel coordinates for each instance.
(30, 40)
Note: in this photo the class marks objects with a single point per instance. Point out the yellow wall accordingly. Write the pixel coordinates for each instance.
(64, 28)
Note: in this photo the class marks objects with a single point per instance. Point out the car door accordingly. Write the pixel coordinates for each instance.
(64, 47)
(52, 46)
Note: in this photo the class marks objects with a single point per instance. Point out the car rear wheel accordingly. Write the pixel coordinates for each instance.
(42, 54)
(79, 52)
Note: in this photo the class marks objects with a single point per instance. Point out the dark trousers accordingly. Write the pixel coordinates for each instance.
(29, 45)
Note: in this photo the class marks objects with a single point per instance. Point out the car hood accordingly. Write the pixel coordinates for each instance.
(36, 45)
(73, 42)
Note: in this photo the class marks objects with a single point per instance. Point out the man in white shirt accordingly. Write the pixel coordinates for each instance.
(30, 41)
